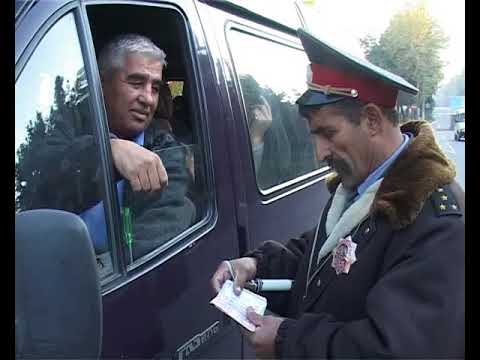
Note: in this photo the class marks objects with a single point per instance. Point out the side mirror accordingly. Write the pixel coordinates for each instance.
(58, 305)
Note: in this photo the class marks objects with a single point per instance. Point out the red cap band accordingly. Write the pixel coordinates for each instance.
(369, 90)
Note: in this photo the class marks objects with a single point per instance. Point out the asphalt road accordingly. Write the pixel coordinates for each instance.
(455, 150)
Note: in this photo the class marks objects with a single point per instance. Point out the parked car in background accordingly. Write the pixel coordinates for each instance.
(459, 127)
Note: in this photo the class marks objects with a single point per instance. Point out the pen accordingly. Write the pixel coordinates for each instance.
(258, 285)
(230, 269)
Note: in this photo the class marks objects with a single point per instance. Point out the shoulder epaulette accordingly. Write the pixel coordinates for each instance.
(444, 202)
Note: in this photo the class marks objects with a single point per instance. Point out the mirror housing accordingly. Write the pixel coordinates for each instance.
(58, 305)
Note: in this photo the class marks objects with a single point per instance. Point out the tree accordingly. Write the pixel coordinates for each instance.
(26, 170)
(176, 88)
(60, 95)
(410, 47)
(28, 166)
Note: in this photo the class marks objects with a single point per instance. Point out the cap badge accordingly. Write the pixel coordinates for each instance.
(344, 255)
(331, 90)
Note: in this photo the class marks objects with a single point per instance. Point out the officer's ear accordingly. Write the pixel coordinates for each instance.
(372, 119)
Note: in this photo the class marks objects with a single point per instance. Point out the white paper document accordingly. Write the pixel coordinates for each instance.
(236, 306)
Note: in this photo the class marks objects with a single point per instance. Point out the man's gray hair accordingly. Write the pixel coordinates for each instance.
(112, 56)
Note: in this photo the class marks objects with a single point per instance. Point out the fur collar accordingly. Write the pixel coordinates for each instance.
(420, 169)
(340, 223)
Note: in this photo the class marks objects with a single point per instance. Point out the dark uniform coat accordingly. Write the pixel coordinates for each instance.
(404, 296)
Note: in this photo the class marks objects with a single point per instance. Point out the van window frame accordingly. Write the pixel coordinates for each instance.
(123, 273)
(190, 236)
(99, 130)
(298, 183)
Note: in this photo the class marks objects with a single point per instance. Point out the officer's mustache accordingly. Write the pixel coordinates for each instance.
(339, 165)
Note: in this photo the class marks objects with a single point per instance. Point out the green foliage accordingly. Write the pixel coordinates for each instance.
(176, 88)
(27, 161)
(410, 47)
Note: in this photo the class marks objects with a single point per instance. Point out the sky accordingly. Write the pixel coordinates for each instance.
(34, 88)
(340, 22)
(344, 22)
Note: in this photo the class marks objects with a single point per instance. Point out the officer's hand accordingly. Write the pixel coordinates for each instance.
(244, 269)
(141, 167)
(263, 339)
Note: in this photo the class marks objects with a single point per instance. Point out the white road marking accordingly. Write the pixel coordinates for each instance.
(450, 149)
(444, 142)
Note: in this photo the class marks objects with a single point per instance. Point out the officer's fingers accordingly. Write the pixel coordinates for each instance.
(248, 334)
(253, 317)
(216, 283)
(219, 278)
(239, 282)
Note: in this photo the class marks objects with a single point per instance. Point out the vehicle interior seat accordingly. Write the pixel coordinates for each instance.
(164, 111)
(182, 126)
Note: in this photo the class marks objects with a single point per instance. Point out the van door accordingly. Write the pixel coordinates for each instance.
(155, 296)
(279, 184)
(285, 191)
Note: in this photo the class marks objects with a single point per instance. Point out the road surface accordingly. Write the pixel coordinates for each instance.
(455, 150)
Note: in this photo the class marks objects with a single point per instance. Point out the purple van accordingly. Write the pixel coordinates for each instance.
(249, 179)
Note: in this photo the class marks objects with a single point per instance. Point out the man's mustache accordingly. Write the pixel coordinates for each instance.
(338, 165)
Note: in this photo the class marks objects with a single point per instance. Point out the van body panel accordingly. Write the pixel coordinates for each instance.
(161, 309)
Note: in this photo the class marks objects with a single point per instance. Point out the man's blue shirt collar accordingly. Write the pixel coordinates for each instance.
(139, 139)
(380, 171)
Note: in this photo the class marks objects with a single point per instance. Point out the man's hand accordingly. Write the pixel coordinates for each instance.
(141, 167)
(263, 339)
(244, 269)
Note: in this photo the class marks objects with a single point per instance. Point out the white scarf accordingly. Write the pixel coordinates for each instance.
(340, 223)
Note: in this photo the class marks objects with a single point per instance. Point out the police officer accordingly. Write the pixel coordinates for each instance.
(382, 274)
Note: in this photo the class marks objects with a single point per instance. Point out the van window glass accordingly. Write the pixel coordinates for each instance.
(272, 76)
(56, 154)
(155, 221)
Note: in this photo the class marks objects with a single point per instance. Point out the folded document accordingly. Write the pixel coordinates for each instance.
(236, 306)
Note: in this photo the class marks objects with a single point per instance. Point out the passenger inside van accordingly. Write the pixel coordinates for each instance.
(156, 211)
(171, 116)
(267, 134)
